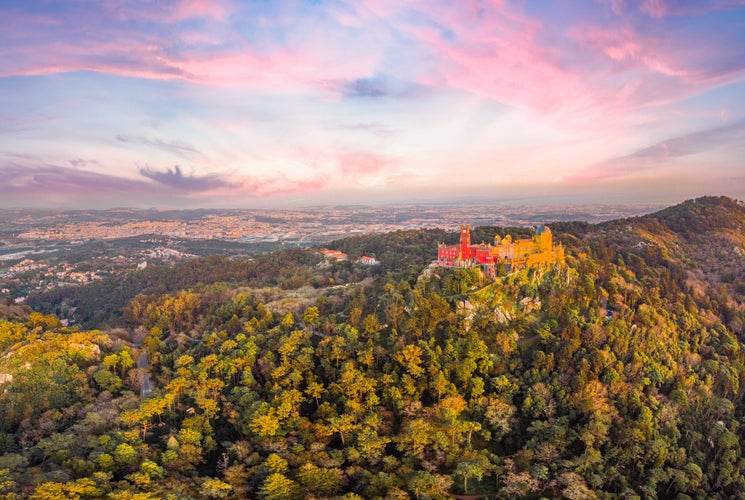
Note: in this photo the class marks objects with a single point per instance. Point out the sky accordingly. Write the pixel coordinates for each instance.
(240, 103)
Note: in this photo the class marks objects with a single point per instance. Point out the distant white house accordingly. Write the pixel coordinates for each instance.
(368, 261)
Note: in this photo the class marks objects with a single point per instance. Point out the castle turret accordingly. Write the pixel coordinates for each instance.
(543, 233)
(465, 239)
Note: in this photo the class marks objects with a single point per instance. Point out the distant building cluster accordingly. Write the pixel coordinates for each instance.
(333, 254)
(168, 253)
(23, 266)
(340, 256)
(513, 255)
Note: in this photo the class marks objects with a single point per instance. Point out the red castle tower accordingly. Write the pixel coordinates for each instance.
(461, 255)
(465, 241)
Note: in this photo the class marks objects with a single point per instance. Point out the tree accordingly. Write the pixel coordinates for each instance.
(214, 488)
(125, 359)
(276, 464)
(125, 454)
(310, 317)
(319, 480)
(7, 484)
(10, 332)
(278, 487)
(411, 358)
(315, 390)
(371, 325)
(426, 485)
(343, 424)
(440, 384)
(418, 434)
(575, 487)
(394, 308)
(107, 380)
(73, 490)
(472, 469)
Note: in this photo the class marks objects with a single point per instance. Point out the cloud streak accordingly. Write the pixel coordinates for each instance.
(665, 153)
(26, 180)
(17, 180)
(174, 178)
(179, 148)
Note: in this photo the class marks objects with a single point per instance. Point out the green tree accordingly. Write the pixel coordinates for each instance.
(214, 488)
(319, 480)
(125, 454)
(472, 469)
(278, 487)
(311, 316)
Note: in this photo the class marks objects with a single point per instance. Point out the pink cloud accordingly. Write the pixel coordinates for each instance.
(167, 12)
(623, 50)
(626, 46)
(641, 58)
(578, 75)
(278, 185)
(585, 75)
(280, 70)
(377, 129)
(137, 55)
(655, 8)
(141, 59)
(490, 50)
(658, 9)
(356, 164)
(117, 47)
(120, 52)
(494, 51)
(617, 6)
(193, 9)
(498, 53)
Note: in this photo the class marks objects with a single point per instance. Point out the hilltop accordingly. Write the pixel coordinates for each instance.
(701, 241)
(616, 373)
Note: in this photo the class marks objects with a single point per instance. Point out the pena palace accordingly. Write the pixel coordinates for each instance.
(514, 255)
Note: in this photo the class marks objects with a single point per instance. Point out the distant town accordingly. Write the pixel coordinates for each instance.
(314, 224)
(42, 249)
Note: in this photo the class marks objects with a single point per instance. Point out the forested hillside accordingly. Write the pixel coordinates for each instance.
(100, 304)
(619, 373)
